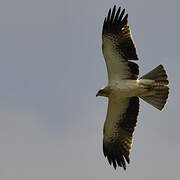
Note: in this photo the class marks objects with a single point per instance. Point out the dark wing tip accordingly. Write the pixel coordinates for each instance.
(117, 149)
(116, 155)
(109, 15)
(115, 20)
(116, 26)
(112, 14)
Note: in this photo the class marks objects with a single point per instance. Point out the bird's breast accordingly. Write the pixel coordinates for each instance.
(126, 88)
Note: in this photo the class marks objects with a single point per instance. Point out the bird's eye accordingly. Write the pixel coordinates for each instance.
(101, 91)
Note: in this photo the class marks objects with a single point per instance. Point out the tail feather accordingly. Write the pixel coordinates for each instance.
(159, 89)
(158, 73)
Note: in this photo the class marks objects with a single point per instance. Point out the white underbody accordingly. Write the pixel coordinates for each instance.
(129, 88)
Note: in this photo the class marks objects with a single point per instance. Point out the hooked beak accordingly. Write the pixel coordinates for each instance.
(97, 94)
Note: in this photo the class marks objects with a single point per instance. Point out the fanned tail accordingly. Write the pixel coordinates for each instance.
(159, 88)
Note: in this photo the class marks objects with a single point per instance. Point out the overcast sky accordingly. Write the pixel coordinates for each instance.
(51, 66)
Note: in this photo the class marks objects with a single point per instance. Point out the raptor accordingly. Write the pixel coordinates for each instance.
(125, 88)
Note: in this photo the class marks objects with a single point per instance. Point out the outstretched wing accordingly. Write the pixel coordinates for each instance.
(118, 47)
(118, 130)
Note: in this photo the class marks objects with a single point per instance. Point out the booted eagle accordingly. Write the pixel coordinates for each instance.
(125, 88)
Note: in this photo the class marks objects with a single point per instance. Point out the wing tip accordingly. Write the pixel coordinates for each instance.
(115, 23)
(115, 18)
(116, 155)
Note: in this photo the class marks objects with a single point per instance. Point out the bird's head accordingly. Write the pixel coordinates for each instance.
(103, 92)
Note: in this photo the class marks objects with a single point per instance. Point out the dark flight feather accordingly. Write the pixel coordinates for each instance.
(117, 151)
(115, 25)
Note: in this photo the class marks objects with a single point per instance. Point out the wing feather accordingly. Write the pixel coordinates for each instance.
(118, 46)
(118, 130)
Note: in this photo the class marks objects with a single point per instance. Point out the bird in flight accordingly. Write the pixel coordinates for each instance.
(125, 88)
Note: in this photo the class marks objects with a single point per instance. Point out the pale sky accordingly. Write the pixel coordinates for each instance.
(51, 67)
